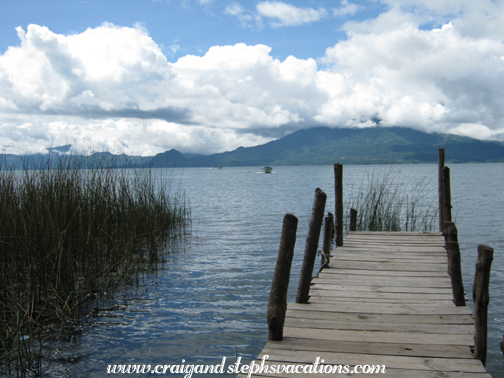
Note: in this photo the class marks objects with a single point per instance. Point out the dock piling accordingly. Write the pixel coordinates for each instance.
(277, 304)
(326, 247)
(338, 204)
(353, 220)
(441, 164)
(454, 263)
(312, 241)
(502, 345)
(481, 299)
(455, 273)
(447, 215)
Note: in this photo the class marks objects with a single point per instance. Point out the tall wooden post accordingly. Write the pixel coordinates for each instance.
(326, 248)
(450, 232)
(441, 162)
(454, 263)
(502, 345)
(312, 241)
(447, 216)
(353, 220)
(455, 272)
(338, 191)
(277, 305)
(481, 299)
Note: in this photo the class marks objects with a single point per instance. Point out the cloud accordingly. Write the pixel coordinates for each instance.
(108, 83)
(113, 87)
(346, 8)
(282, 14)
(247, 18)
(435, 80)
(289, 15)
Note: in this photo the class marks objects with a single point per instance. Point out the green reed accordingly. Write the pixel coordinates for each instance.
(384, 203)
(68, 234)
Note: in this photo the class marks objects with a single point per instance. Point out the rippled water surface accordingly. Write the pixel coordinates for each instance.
(210, 299)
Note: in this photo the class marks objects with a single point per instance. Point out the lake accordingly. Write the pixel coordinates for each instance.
(209, 301)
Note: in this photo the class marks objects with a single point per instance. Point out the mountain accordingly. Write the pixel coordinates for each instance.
(54, 159)
(171, 158)
(314, 146)
(376, 145)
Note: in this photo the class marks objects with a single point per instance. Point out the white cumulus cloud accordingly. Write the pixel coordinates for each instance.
(346, 8)
(111, 87)
(289, 15)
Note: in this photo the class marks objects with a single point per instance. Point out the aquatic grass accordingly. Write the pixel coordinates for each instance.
(384, 203)
(67, 235)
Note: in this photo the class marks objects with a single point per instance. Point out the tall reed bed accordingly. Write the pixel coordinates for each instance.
(385, 203)
(66, 235)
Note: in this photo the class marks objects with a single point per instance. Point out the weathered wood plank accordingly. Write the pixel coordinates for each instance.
(362, 248)
(335, 270)
(389, 266)
(416, 282)
(397, 362)
(331, 285)
(386, 299)
(410, 242)
(385, 254)
(437, 262)
(392, 373)
(397, 234)
(392, 349)
(455, 329)
(379, 318)
(378, 336)
(379, 308)
(392, 236)
(370, 301)
(368, 275)
(389, 373)
(316, 291)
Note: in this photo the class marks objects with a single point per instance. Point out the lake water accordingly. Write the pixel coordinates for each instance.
(210, 299)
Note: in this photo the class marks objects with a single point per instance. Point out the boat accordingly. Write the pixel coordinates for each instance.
(266, 169)
(217, 167)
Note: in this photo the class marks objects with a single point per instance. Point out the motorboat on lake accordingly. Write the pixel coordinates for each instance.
(266, 169)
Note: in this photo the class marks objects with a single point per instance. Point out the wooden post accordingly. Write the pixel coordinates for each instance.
(447, 216)
(455, 272)
(277, 305)
(326, 248)
(502, 345)
(353, 220)
(338, 204)
(441, 160)
(450, 232)
(481, 299)
(450, 235)
(312, 241)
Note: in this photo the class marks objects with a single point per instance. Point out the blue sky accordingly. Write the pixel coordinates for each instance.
(193, 26)
(205, 76)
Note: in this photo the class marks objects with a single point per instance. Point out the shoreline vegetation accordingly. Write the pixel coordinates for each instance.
(67, 235)
(384, 203)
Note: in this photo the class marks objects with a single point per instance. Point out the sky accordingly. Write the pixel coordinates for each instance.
(204, 76)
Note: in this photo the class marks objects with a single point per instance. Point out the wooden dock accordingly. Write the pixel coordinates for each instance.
(385, 299)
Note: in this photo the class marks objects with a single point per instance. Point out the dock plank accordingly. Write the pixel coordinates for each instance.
(385, 299)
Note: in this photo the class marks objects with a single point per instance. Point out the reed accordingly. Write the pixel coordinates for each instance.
(68, 234)
(384, 203)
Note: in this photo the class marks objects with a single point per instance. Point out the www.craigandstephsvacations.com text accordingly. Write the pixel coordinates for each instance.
(317, 367)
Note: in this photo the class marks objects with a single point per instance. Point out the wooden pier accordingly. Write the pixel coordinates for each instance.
(385, 299)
